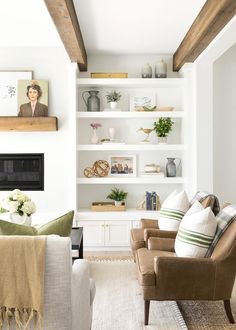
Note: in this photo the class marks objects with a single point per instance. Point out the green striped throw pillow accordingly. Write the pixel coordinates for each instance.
(196, 232)
(172, 211)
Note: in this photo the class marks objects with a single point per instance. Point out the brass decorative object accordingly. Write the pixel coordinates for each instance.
(100, 169)
(146, 131)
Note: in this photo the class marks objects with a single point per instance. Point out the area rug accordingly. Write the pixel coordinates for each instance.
(204, 315)
(118, 303)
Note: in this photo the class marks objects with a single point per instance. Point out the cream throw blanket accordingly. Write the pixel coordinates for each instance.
(21, 280)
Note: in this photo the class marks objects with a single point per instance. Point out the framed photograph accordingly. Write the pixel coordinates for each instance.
(9, 91)
(122, 165)
(138, 101)
(32, 98)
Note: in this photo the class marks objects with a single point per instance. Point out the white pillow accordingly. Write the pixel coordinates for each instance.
(196, 232)
(172, 211)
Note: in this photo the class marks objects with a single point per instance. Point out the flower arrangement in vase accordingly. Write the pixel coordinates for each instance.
(113, 97)
(20, 206)
(94, 138)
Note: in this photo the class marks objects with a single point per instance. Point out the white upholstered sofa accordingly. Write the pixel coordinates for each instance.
(68, 291)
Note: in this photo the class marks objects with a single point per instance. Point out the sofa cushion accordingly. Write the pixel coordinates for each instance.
(196, 232)
(206, 200)
(60, 226)
(224, 219)
(172, 211)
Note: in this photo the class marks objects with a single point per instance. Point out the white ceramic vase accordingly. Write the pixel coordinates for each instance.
(112, 132)
(113, 105)
(118, 203)
(21, 219)
(94, 138)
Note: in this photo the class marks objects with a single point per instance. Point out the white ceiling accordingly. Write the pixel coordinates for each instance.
(135, 26)
(108, 26)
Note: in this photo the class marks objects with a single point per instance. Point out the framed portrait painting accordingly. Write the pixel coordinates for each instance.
(9, 90)
(122, 165)
(32, 98)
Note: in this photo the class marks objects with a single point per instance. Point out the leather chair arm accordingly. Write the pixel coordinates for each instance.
(158, 233)
(185, 278)
(159, 243)
(149, 223)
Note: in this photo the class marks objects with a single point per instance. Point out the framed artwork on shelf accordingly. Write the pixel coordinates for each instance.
(137, 102)
(32, 98)
(122, 165)
(9, 90)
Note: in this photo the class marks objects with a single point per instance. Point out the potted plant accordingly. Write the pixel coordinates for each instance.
(117, 195)
(113, 97)
(162, 128)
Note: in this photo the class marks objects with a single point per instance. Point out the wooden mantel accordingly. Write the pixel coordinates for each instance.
(28, 124)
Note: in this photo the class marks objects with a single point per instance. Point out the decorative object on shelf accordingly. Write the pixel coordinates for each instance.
(8, 90)
(137, 102)
(108, 75)
(152, 201)
(155, 108)
(20, 207)
(94, 138)
(171, 167)
(113, 97)
(112, 132)
(32, 98)
(147, 71)
(162, 128)
(146, 131)
(114, 141)
(152, 168)
(122, 165)
(107, 207)
(93, 102)
(100, 168)
(161, 69)
(117, 195)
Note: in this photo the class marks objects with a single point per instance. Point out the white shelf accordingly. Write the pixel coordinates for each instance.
(137, 147)
(131, 114)
(129, 214)
(130, 82)
(136, 180)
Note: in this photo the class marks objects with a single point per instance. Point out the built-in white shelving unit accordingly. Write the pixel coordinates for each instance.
(110, 230)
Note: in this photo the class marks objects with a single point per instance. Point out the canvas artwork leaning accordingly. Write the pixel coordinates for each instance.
(32, 98)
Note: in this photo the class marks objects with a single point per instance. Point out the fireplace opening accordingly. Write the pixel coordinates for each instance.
(22, 171)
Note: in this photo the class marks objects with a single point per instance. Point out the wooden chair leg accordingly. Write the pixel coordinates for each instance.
(228, 311)
(146, 311)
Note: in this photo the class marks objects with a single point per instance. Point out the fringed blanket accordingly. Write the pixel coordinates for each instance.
(21, 280)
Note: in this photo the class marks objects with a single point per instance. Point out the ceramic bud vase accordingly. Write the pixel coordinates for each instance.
(94, 138)
(21, 219)
(112, 132)
(113, 105)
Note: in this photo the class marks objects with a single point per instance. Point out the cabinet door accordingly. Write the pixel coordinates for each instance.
(117, 233)
(93, 233)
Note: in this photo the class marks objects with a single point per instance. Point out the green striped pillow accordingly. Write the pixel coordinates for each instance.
(172, 211)
(196, 232)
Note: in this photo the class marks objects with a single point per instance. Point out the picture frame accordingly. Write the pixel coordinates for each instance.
(122, 165)
(24, 97)
(9, 90)
(138, 101)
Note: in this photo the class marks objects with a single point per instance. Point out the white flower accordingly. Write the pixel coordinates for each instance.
(28, 207)
(13, 206)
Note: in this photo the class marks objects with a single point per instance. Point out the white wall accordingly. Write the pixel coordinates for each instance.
(50, 63)
(224, 119)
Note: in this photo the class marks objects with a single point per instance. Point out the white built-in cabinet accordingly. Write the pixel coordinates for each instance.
(110, 230)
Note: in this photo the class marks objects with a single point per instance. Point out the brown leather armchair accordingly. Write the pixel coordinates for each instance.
(164, 276)
(149, 228)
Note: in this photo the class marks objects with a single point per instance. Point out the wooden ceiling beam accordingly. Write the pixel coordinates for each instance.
(214, 15)
(65, 18)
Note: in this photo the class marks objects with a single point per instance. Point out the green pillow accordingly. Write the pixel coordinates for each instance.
(60, 226)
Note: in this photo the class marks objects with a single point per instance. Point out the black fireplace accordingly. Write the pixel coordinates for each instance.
(22, 171)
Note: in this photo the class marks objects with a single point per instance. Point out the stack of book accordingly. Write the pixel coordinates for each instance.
(152, 201)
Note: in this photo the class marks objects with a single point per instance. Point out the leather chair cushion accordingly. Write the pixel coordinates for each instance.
(137, 238)
(145, 265)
